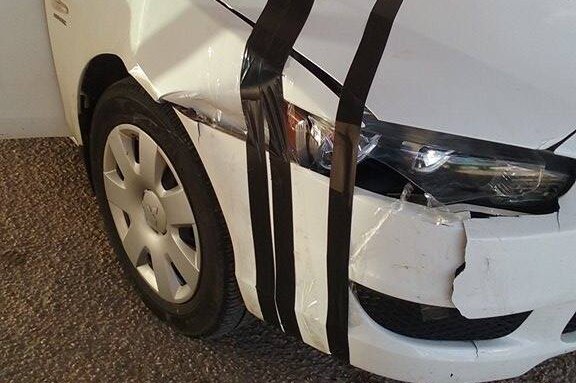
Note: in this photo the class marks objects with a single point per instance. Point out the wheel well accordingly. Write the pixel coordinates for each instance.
(101, 72)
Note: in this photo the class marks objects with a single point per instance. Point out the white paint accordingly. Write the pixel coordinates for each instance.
(375, 349)
(332, 34)
(498, 70)
(30, 104)
(220, 151)
(492, 69)
(313, 97)
(515, 265)
(310, 206)
(405, 250)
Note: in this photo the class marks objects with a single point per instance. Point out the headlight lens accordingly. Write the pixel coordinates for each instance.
(312, 140)
(452, 176)
(452, 169)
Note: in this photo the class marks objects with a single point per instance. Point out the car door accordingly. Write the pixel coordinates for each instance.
(30, 103)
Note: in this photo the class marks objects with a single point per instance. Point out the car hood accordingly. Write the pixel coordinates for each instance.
(492, 70)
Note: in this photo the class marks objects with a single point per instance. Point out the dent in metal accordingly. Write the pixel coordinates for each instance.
(139, 75)
(201, 109)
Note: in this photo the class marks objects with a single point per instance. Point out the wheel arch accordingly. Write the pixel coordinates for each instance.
(99, 73)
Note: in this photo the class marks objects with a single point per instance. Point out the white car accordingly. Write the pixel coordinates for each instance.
(390, 181)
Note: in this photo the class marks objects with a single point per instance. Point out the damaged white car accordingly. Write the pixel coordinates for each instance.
(389, 180)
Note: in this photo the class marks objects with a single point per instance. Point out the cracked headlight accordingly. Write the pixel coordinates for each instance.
(451, 176)
(455, 169)
(451, 169)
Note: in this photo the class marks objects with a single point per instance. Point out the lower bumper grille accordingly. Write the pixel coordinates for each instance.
(431, 322)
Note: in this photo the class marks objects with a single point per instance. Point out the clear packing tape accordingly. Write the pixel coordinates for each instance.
(449, 176)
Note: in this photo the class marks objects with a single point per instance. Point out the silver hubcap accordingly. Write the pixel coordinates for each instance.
(152, 213)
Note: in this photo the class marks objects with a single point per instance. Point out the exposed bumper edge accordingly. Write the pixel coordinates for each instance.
(517, 264)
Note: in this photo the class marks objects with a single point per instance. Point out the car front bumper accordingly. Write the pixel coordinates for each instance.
(415, 254)
(383, 352)
(484, 267)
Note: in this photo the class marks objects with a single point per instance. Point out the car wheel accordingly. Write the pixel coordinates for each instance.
(161, 213)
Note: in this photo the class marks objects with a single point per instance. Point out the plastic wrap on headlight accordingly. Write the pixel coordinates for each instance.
(459, 169)
(450, 169)
(452, 176)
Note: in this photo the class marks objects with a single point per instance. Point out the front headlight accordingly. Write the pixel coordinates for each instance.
(451, 169)
(452, 176)
(311, 140)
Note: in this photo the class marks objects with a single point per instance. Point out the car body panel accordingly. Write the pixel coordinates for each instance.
(494, 70)
(190, 53)
(460, 77)
(380, 351)
(501, 277)
(508, 96)
(233, 200)
(30, 103)
(384, 258)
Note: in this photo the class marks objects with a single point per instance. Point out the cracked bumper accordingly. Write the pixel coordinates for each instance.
(513, 265)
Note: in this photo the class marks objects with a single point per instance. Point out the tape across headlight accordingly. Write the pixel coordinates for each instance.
(452, 169)
(429, 159)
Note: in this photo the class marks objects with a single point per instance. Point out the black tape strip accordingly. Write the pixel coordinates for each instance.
(239, 14)
(562, 142)
(259, 202)
(267, 51)
(320, 74)
(343, 175)
(275, 108)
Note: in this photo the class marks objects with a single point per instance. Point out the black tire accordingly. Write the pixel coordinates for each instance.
(216, 307)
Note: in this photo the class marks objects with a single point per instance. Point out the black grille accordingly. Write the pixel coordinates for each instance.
(430, 322)
(571, 326)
